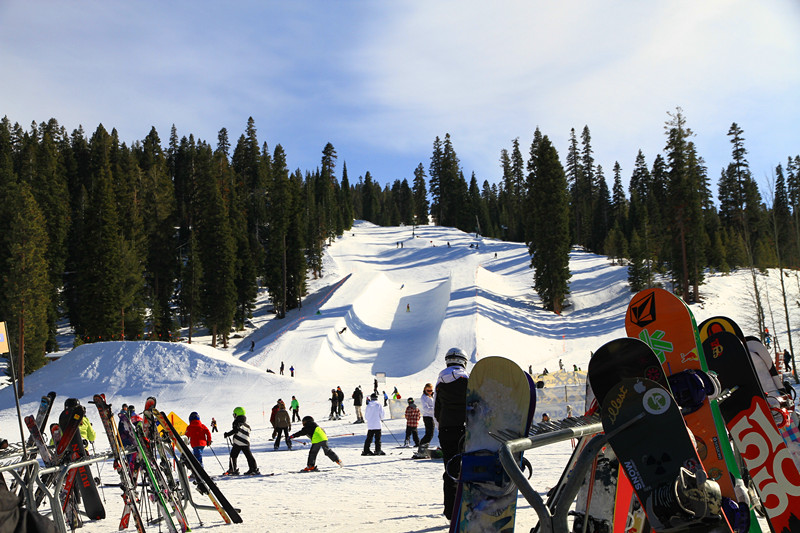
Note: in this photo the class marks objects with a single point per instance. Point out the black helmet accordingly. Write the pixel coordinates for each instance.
(308, 420)
(71, 403)
(411, 400)
(456, 356)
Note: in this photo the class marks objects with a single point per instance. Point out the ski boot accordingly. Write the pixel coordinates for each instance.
(232, 472)
(252, 472)
(310, 469)
(422, 452)
(692, 499)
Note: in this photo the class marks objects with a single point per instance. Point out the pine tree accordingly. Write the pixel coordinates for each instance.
(550, 255)
(420, 196)
(27, 287)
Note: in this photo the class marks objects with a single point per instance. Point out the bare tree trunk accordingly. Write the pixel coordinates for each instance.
(21, 365)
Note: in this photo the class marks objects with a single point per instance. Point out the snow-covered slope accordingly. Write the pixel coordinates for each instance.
(389, 302)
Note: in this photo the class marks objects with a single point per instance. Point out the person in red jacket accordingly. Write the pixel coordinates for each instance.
(199, 436)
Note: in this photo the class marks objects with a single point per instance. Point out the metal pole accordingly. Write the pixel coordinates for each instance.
(4, 338)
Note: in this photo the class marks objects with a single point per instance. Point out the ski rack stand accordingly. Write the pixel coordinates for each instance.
(553, 515)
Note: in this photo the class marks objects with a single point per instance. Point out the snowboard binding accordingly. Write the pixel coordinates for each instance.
(691, 500)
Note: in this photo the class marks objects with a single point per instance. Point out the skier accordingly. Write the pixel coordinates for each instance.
(272, 414)
(358, 398)
(374, 416)
(450, 406)
(214, 428)
(767, 337)
(334, 405)
(426, 410)
(291, 370)
(295, 407)
(240, 432)
(282, 425)
(412, 421)
(385, 399)
(199, 436)
(319, 441)
(281, 368)
(340, 402)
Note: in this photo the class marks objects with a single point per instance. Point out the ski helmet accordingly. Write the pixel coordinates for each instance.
(71, 403)
(194, 416)
(307, 420)
(149, 403)
(411, 400)
(239, 411)
(456, 356)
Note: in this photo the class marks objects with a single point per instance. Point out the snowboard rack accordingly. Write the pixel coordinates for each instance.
(553, 514)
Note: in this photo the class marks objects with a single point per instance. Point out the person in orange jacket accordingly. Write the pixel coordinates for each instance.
(199, 436)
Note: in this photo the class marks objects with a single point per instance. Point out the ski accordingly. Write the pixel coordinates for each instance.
(157, 483)
(123, 467)
(217, 497)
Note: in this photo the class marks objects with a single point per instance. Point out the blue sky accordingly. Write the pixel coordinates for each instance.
(380, 80)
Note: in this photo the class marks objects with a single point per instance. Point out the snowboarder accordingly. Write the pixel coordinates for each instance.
(319, 441)
(214, 428)
(358, 399)
(450, 407)
(560, 365)
(281, 368)
(295, 407)
(252, 345)
(395, 394)
(767, 337)
(199, 436)
(385, 399)
(240, 431)
(412, 421)
(374, 416)
(282, 425)
(426, 410)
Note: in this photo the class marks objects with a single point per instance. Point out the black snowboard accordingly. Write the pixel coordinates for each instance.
(647, 432)
(623, 358)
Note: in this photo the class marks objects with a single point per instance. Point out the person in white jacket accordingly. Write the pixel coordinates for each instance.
(426, 403)
(374, 415)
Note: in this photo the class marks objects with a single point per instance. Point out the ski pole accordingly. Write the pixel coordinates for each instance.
(390, 432)
(215, 456)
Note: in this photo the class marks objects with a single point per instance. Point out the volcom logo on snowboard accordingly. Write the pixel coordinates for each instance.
(643, 311)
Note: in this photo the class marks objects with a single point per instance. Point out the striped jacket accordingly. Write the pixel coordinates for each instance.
(240, 432)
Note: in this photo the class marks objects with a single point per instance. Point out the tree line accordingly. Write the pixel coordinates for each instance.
(139, 241)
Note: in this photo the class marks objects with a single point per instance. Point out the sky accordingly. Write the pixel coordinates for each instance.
(381, 80)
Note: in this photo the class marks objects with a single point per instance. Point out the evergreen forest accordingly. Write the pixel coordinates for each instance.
(141, 241)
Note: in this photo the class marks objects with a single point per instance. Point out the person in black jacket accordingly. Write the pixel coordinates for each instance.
(358, 399)
(449, 410)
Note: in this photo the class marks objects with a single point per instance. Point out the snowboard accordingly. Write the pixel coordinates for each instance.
(500, 397)
(748, 418)
(647, 432)
(665, 323)
(606, 497)
(777, 395)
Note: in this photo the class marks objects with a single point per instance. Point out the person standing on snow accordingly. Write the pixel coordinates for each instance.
(214, 425)
(282, 425)
(340, 405)
(426, 410)
(295, 407)
(412, 421)
(358, 399)
(450, 407)
(199, 436)
(272, 414)
(240, 431)
(334, 405)
(374, 416)
(319, 441)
